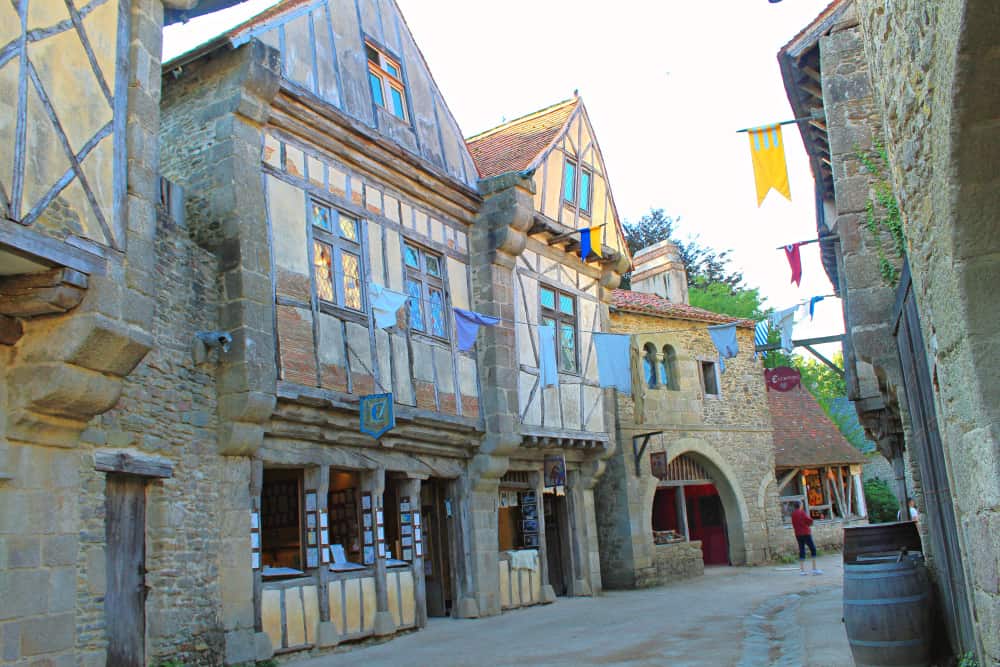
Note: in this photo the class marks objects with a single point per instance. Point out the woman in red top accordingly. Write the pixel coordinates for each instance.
(801, 523)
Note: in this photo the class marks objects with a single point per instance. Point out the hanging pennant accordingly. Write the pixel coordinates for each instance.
(614, 368)
(590, 241)
(794, 261)
(760, 333)
(812, 304)
(767, 153)
(467, 325)
(724, 337)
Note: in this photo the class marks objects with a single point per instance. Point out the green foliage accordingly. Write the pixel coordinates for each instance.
(882, 213)
(883, 506)
(701, 262)
(723, 299)
(786, 558)
(968, 659)
(172, 662)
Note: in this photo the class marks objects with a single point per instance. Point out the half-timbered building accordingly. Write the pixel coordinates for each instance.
(544, 180)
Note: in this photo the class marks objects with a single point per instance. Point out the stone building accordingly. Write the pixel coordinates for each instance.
(543, 180)
(692, 479)
(813, 463)
(916, 79)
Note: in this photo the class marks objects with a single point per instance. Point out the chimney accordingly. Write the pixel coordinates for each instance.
(659, 270)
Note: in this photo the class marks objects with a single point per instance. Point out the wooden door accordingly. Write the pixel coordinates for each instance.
(125, 597)
(437, 551)
(925, 444)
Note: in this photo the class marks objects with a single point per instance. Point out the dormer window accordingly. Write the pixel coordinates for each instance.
(578, 186)
(386, 80)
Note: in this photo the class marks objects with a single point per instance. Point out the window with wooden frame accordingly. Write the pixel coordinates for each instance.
(559, 308)
(578, 186)
(385, 77)
(337, 257)
(425, 287)
(709, 378)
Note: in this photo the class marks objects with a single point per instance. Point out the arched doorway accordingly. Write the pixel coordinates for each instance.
(692, 496)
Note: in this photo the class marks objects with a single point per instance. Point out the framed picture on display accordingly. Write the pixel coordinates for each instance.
(419, 548)
(531, 540)
(417, 535)
(406, 517)
(406, 529)
(369, 538)
(369, 555)
(323, 520)
(378, 517)
(366, 520)
(366, 501)
(407, 554)
(529, 525)
(312, 557)
(407, 541)
(380, 532)
(311, 500)
(416, 518)
(311, 520)
(404, 504)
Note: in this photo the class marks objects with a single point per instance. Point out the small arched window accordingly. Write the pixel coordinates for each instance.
(649, 365)
(668, 368)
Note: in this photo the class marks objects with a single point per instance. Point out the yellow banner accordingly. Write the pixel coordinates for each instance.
(596, 239)
(767, 152)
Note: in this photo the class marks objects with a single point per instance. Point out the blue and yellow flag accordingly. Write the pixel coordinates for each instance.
(591, 239)
(767, 152)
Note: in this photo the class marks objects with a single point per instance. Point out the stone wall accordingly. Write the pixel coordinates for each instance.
(672, 562)
(729, 435)
(933, 68)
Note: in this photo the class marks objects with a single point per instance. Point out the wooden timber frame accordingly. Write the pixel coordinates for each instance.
(842, 491)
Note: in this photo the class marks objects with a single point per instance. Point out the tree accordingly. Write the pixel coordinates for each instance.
(881, 501)
(721, 298)
(700, 262)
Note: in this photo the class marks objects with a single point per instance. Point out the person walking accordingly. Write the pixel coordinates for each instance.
(802, 525)
(913, 514)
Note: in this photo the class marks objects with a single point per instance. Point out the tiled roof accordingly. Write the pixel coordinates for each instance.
(823, 15)
(804, 435)
(651, 304)
(514, 145)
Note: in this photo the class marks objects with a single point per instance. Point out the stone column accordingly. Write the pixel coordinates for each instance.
(374, 482)
(411, 487)
(575, 510)
(538, 485)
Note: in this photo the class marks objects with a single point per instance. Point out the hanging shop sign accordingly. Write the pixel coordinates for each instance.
(782, 378)
(555, 471)
(377, 415)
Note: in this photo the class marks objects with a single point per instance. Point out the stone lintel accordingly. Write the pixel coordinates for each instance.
(47, 293)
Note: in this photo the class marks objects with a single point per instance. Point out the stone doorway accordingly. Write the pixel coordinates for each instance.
(438, 577)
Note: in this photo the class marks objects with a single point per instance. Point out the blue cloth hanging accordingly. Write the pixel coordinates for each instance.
(614, 364)
(547, 366)
(760, 333)
(385, 303)
(467, 325)
(724, 337)
(812, 304)
(784, 321)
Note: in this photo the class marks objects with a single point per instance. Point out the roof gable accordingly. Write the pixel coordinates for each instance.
(645, 303)
(517, 144)
(804, 435)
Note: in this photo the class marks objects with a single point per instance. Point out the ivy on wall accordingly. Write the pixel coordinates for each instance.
(882, 219)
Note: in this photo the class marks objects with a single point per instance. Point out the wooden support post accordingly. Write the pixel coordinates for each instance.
(374, 483)
(318, 477)
(256, 485)
(787, 478)
(682, 512)
(411, 488)
(850, 494)
(575, 531)
(537, 482)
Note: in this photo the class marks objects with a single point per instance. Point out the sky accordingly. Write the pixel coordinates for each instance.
(666, 84)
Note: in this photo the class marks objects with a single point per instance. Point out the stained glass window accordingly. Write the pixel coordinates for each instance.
(350, 265)
(415, 302)
(436, 303)
(433, 265)
(348, 228)
(323, 261)
(321, 216)
(567, 347)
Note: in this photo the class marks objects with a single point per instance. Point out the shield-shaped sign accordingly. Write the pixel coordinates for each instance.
(377, 415)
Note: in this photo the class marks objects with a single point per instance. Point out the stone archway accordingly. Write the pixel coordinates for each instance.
(724, 478)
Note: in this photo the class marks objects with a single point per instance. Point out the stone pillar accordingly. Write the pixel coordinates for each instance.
(373, 482)
(538, 484)
(411, 487)
(576, 512)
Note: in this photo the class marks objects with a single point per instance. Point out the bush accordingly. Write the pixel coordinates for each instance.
(882, 503)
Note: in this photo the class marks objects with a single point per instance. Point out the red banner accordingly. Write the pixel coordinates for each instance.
(782, 378)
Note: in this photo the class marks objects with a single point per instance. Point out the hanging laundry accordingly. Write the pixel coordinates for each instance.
(812, 304)
(724, 337)
(467, 325)
(385, 303)
(795, 261)
(767, 153)
(590, 241)
(784, 321)
(547, 367)
(614, 367)
(760, 333)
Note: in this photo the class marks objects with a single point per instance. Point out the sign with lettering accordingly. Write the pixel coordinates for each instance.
(782, 378)
(377, 415)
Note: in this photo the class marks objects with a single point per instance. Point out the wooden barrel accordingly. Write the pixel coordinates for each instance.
(887, 612)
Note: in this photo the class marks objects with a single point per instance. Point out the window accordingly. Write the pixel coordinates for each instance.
(425, 286)
(337, 257)
(668, 368)
(710, 381)
(281, 518)
(578, 186)
(386, 80)
(649, 365)
(559, 308)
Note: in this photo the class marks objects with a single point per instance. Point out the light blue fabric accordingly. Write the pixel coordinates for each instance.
(760, 336)
(467, 324)
(385, 303)
(812, 304)
(784, 321)
(614, 364)
(724, 337)
(547, 367)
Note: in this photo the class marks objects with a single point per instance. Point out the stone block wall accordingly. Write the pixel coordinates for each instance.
(933, 67)
(672, 562)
